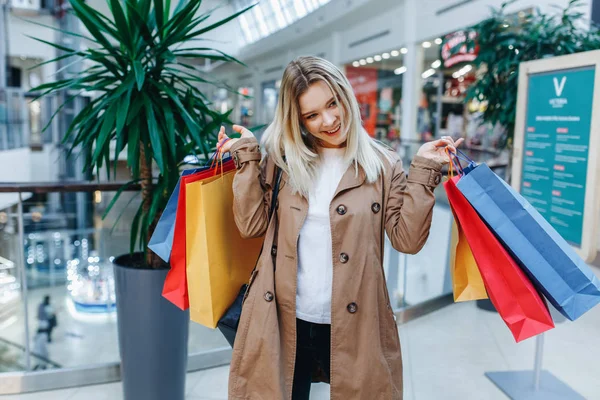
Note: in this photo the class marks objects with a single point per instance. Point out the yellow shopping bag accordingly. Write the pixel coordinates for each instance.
(218, 261)
(467, 283)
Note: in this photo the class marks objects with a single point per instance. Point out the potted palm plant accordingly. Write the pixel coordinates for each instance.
(150, 106)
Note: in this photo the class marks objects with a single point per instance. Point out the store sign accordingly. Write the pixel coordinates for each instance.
(459, 47)
(557, 140)
(555, 166)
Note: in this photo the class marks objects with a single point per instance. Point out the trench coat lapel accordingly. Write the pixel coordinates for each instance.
(351, 179)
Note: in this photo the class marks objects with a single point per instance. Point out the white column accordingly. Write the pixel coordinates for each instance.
(336, 47)
(4, 31)
(3, 42)
(411, 79)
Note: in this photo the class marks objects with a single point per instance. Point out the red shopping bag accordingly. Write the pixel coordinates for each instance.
(510, 290)
(175, 287)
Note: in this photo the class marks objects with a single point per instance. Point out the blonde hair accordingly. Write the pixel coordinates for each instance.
(287, 137)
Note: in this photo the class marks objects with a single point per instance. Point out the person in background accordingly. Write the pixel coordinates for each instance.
(46, 317)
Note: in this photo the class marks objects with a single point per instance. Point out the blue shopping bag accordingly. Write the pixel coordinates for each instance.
(552, 264)
(161, 241)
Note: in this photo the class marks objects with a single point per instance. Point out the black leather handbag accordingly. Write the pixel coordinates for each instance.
(228, 324)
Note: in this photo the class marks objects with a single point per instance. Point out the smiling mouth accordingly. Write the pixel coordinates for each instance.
(333, 132)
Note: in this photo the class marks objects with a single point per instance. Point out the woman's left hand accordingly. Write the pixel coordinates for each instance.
(436, 150)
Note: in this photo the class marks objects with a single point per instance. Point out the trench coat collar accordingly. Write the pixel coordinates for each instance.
(350, 180)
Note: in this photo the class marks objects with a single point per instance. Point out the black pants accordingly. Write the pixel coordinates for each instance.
(312, 346)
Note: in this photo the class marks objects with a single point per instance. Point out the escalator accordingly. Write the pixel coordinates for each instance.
(13, 358)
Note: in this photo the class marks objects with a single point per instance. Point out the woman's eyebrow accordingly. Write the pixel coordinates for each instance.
(310, 112)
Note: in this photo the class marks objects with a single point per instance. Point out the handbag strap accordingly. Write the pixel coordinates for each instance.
(274, 195)
(275, 192)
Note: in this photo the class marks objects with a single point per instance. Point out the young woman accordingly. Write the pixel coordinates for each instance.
(318, 308)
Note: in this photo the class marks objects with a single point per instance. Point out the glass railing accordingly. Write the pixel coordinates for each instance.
(55, 244)
(67, 251)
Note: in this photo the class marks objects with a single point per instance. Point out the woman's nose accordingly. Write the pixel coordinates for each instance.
(328, 119)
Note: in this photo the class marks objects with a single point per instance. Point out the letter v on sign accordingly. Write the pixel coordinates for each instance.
(559, 87)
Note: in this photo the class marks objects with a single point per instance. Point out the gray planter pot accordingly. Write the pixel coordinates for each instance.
(153, 334)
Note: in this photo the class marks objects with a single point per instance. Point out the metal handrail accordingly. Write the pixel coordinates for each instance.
(31, 353)
(464, 147)
(65, 187)
(69, 187)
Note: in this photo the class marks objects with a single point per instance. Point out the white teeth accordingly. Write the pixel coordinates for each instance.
(334, 131)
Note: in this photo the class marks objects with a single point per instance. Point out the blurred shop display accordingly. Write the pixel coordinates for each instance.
(47, 254)
(91, 284)
(10, 289)
(244, 108)
(270, 94)
(378, 89)
(503, 41)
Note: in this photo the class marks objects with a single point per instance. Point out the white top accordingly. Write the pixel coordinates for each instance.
(315, 263)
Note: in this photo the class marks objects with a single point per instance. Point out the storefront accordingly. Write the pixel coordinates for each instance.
(448, 73)
(445, 78)
(377, 84)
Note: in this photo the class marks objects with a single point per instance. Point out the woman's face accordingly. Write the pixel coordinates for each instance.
(320, 115)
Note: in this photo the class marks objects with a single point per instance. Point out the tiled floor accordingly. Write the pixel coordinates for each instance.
(445, 356)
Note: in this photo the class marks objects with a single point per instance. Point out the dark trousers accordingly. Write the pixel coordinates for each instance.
(312, 346)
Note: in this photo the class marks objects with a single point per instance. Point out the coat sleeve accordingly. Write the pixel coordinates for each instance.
(250, 191)
(410, 204)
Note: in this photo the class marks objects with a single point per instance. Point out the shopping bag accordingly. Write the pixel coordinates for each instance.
(161, 241)
(552, 264)
(514, 296)
(175, 288)
(467, 283)
(218, 260)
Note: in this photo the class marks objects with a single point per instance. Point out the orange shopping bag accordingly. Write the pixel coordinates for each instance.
(218, 260)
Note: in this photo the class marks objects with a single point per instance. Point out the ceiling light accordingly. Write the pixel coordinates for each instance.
(436, 64)
(426, 45)
(370, 60)
(395, 53)
(400, 71)
(462, 71)
(438, 41)
(356, 64)
(385, 56)
(404, 50)
(362, 61)
(428, 73)
(377, 58)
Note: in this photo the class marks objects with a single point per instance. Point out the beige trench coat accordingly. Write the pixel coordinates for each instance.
(366, 362)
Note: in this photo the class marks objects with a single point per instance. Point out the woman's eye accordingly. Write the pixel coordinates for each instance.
(333, 104)
(311, 116)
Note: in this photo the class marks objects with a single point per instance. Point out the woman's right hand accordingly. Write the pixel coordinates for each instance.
(226, 147)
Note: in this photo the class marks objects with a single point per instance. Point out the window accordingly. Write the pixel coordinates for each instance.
(269, 16)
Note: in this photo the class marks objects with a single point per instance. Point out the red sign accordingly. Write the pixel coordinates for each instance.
(459, 47)
(364, 83)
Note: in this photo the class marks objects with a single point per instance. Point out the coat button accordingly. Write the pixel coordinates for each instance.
(344, 258)
(269, 296)
(342, 209)
(437, 179)
(274, 250)
(352, 308)
(376, 207)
